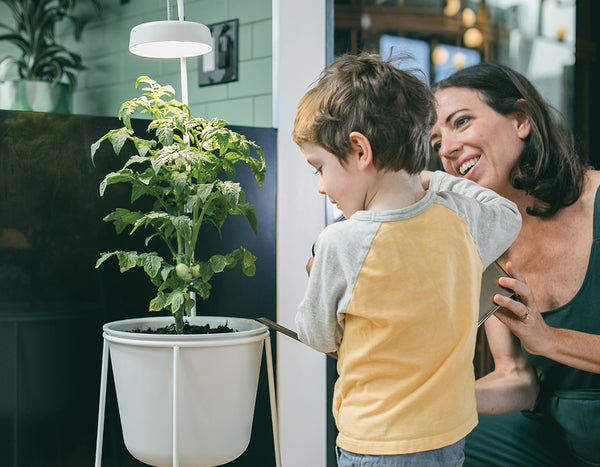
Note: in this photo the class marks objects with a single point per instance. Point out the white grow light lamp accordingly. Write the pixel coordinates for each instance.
(172, 39)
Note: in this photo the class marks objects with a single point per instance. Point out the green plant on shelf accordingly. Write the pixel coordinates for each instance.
(33, 31)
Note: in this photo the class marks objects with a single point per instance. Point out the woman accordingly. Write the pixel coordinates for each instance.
(541, 404)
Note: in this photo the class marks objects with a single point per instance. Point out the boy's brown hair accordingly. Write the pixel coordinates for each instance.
(391, 107)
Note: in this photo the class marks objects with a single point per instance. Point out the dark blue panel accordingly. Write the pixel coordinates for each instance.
(53, 301)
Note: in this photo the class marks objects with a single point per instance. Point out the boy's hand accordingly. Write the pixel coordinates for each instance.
(425, 178)
(309, 264)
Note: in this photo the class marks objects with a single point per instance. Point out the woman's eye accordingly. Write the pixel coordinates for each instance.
(318, 171)
(461, 121)
(436, 147)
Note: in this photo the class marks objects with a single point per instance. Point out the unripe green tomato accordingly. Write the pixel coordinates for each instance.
(183, 272)
(195, 270)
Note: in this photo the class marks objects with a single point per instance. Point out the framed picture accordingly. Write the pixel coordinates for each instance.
(221, 65)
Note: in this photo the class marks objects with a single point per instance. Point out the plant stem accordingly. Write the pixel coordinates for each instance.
(197, 222)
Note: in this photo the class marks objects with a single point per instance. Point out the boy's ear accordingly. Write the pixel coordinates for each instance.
(361, 150)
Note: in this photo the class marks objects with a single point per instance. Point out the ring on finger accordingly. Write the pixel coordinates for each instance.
(525, 316)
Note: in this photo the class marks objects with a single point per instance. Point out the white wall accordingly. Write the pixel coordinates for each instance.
(298, 58)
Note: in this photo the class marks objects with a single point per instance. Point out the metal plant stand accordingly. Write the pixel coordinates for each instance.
(176, 357)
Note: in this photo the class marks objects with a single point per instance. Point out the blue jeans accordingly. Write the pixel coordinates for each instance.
(449, 456)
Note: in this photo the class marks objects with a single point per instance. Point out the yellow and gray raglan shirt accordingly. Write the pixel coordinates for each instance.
(396, 295)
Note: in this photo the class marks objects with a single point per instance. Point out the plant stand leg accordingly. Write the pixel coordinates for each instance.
(102, 404)
(273, 400)
(175, 405)
(16, 379)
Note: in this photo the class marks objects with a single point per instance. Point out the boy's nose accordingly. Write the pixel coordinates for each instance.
(321, 188)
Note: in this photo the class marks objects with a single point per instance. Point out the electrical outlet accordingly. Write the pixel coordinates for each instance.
(221, 65)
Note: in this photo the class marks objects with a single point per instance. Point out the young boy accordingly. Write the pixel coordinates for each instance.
(394, 289)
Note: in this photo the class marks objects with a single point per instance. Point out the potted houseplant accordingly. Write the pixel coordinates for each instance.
(185, 166)
(47, 71)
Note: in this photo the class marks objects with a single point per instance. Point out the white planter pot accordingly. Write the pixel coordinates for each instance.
(215, 379)
(37, 96)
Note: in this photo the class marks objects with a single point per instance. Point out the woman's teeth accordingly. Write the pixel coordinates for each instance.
(463, 169)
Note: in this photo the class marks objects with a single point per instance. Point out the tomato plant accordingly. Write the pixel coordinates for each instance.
(188, 169)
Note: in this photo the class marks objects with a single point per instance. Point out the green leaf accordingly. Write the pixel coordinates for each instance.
(152, 264)
(232, 258)
(136, 160)
(206, 271)
(127, 260)
(143, 146)
(217, 263)
(146, 177)
(124, 175)
(190, 202)
(204, 191)
(183, 226)
(126, 111)
(231, 191)
(222, 139)
(247, 211)
(164, 131)
(177, 300)
(137, 191)
(118, 138)
(159, 302)
(104, 257)
(165, 155)
(94, 148)
(191, 156)
(229, 169)
(122, 217)
(150, 237)
(248, 266)
(166, 270)
(201, 288)
(180, 181)
(150, 218)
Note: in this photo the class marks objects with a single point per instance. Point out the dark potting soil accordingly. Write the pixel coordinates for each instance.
(188, 329)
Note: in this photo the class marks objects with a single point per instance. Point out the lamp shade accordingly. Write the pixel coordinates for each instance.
(170, 39)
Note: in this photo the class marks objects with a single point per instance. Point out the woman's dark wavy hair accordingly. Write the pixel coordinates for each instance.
(549, 168)
(391, 107)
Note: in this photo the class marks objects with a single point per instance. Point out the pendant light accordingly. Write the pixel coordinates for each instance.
(172, 39)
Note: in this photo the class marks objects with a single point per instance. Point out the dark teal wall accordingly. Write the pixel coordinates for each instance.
(53, 301)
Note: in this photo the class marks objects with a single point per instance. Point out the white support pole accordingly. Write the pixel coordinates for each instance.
(175, 406)
(185, 100)
(182, 62)
(102, 404)
(184, 81)
(273, 400)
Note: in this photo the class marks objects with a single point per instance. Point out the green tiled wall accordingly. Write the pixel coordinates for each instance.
(112, 70)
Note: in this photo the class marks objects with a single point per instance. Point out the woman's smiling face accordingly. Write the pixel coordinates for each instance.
(476, 142)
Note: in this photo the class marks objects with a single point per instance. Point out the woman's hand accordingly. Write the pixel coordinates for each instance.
(425, 178)
(309, 264)
(522, 315)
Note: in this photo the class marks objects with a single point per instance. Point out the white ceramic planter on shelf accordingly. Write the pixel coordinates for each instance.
(203, 384)
(37, 96)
